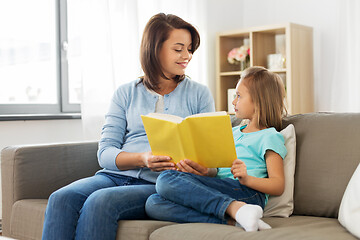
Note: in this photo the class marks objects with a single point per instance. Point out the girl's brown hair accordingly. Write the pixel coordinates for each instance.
(268, 94)
(156, 32)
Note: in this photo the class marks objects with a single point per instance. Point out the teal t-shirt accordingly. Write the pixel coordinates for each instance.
(251, 149)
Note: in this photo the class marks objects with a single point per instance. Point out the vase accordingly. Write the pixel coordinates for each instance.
(244, 65)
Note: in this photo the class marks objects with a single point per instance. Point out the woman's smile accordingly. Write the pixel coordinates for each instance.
(183, 64)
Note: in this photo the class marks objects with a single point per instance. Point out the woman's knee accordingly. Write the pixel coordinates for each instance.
(99, 201)
(118, 198)
(64, 196)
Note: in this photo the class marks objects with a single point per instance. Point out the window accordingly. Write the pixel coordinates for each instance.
(34, 58)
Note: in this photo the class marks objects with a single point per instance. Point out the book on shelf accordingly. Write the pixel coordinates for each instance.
(205, 138)
(231, 94)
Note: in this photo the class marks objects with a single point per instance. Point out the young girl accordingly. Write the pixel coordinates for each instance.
(90, 208)
(236, 196)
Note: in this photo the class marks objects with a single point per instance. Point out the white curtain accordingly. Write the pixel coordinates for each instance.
(111, 32)
(346, 81)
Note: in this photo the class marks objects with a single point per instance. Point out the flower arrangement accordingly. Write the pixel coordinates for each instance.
(240, 55)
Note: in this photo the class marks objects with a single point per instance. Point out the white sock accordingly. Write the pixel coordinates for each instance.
(248, 216)
(263, 225)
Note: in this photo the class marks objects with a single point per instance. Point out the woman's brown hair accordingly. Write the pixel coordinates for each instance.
(156, 32)
(268, 94)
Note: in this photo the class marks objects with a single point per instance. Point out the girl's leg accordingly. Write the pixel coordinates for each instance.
(104, 208)
(160, 208)
(213, 196)
(247, 216)
(64, 205)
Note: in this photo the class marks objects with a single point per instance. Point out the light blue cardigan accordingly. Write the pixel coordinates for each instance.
(124, 131)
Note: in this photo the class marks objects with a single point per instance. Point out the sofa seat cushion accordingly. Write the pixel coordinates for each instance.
(27, 217)
(294, 227)
(138, 229)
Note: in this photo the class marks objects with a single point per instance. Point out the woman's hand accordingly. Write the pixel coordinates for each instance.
(157, 163)
(189, 166)
(239, 171)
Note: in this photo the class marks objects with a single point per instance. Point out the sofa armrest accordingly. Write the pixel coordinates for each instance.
(35, 171)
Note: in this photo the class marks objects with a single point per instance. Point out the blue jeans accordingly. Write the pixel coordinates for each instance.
(185, 197)
(90, 208)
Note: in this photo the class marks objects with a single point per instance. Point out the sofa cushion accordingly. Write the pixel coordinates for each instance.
(32, 171)
(349, 212)
(26, 219)
(138, 229)
(295, 228)
(283, 205)
(28, 216)
(327, 154)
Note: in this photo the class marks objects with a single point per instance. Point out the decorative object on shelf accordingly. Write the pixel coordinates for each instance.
(275, 61)
(231, 96)
(240, 56)
(293, 41)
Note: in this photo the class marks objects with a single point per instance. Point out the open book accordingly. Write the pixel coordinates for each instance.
(205, 138)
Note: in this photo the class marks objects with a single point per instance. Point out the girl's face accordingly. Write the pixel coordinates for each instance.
(175, 53)
(243, 104)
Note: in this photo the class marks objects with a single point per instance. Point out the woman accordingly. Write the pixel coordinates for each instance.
(90, 208)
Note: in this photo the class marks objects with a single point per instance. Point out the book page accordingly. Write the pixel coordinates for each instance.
(208, 114)
(166, 117)
(187, 141)
(164, 138)
(213, 141)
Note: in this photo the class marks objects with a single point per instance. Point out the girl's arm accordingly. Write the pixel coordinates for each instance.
(273, 185)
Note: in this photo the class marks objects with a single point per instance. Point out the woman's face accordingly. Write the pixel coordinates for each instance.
(175, 53)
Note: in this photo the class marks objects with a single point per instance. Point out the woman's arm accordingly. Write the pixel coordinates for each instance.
(113, 131)
(273, 185)
(189, 166)
(206, 103)
(118, 121)
(127, 160)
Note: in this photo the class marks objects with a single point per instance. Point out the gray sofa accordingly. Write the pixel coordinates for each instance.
(328, 152)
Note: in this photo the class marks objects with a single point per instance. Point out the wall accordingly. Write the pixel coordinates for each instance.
(221, 16)
(33, 132)
(322, 15)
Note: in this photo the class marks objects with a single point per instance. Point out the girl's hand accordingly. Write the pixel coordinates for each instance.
(189, 166)
(157, 163)
(239, 171)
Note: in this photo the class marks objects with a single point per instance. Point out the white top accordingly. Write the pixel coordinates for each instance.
(159, 106)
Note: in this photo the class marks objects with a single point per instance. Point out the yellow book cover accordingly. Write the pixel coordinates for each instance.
(205, 138)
